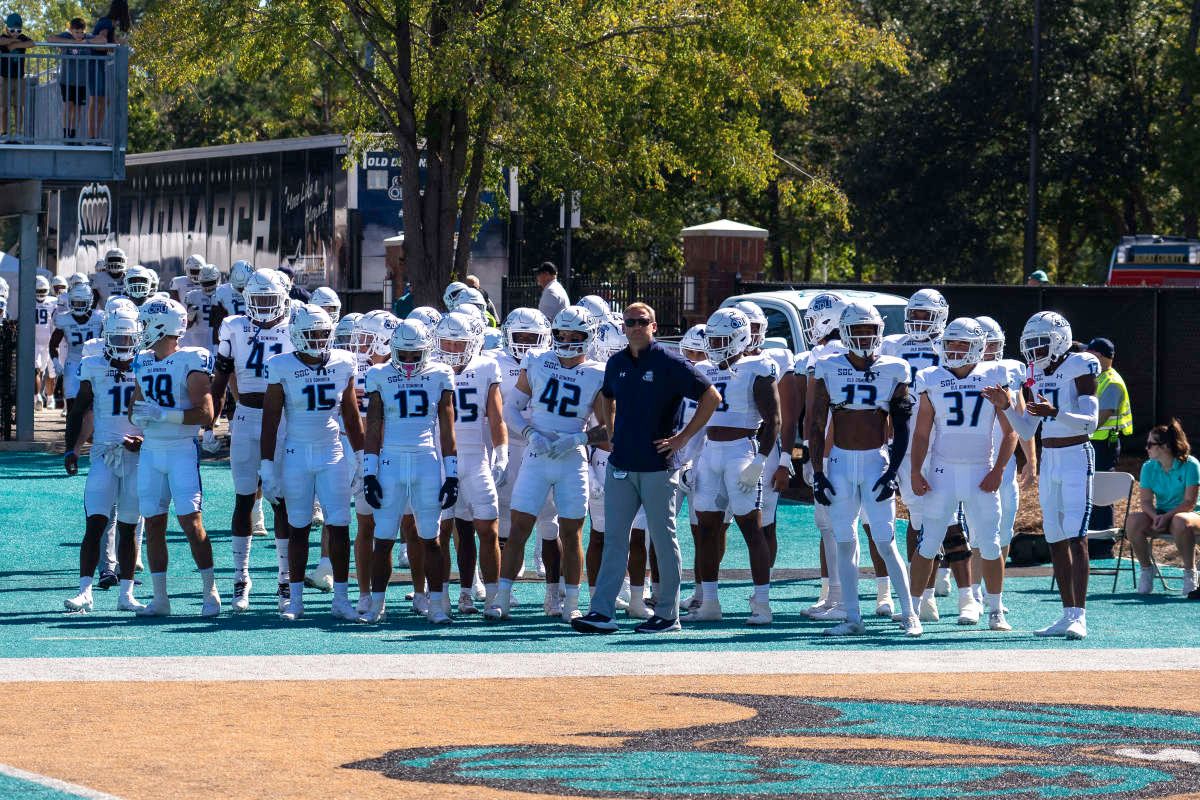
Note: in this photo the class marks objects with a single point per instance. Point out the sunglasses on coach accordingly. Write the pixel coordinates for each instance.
(640, 322)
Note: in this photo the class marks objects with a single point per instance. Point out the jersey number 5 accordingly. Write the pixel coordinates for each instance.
(319, 396)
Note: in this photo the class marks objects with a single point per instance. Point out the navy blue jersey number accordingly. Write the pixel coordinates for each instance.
(959, 401)
(121, 396)
(865, 392)
(465, 409)
(255, 360)
(720, 387)
(413, 402)
(321, 396)
(159, 389)
(560, 398)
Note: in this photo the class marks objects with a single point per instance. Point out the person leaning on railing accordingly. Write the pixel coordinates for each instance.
(13, 43)
(72, 75)
(1167, 499)
(105, 32)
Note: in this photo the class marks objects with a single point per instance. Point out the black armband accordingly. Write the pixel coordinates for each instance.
(223, 364)
(901, 407)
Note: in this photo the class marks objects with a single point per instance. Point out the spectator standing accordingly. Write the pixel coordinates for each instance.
(297, 292)
(73, 76)
(1038, 278)
(643, 392)
(554, 297)
(473, 282)
(1167, 499)
(13, 44)
(1116, 420)
(105, 32)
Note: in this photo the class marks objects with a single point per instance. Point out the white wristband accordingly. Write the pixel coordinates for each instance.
(450, 466)
(370, 463)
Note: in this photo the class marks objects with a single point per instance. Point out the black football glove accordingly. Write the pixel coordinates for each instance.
(373, 491)
(886, 486)
(449, 493)
(822, 489)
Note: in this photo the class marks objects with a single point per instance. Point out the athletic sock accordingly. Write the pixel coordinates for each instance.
(883, 587)
(504, 588)
(1081, 614)
(965, 595)
(341, 591)
(995, 601)
(241, 558)
(281, 554)
(490, 589)
(572, 593)
(927, 594)
(126, 588)
(708, 590)
(977, 592)
(916, 601)
(762, 593)
(437, 599)
(206, 576)
(85, 585)
(377, 597)
(896, 569)
(943, 573)
(325, 563)
(159, 580)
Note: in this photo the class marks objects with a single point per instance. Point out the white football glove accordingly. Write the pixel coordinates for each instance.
(748, 479)
(500, 466)
(567, 444)
(145, 412)
(270, 484)
(209, 442)
(539, 443)
(113, 456)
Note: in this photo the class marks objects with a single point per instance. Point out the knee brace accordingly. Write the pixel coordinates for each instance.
(955, 547)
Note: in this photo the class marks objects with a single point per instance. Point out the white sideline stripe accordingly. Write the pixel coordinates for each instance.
(591, 664)
(55, 783)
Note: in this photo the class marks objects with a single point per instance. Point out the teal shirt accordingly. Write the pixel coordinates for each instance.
(1168, 487)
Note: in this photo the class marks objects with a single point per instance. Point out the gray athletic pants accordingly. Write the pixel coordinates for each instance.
(622, 497)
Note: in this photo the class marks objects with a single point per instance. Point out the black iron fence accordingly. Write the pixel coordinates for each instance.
(664, 293)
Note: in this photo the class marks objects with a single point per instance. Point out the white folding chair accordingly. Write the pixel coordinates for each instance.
(1108, 489)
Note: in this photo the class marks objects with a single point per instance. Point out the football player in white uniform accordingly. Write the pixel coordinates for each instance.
(482, 441)
(1065, 407)
(730, 469)
(411, 399)
(106, 385)
(246, 344)
(313, 386)
(450, 295)
(111, 280)
(139, 284)
(1010, 495)
(526, 330)
(43, 313)
(200, 303)
(171, 400)
(866, 391)
(182, 284)
(563, 385)
(82, 322)
(228, 299)
(959, 470)
(327, 299)
(473, 298)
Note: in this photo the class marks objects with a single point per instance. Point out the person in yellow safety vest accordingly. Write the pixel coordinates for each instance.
(1116, 420)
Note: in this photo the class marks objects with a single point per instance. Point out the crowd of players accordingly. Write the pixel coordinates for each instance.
(445, 432)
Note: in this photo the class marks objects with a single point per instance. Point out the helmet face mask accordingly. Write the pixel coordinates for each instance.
(265, 299)
(572, 332)
(962, 343)
(122, 337)
(450, 296)
(311, 331)
(861, 329)
(41, 288)
(343, 332)
(822, 317)
(115, 263)
(925, 314)
(525, 329)
(410, 347)
(457, 338)
(191, 267)
(726, 335)
(209, 278)
(1046, 337)
(327, 299)
(79, 299)
(692, 344)
(373, 334)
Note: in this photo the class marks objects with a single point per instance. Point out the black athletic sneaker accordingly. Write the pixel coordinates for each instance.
(657, 624)
(108, 579)
(594, 622)
(1194, 594)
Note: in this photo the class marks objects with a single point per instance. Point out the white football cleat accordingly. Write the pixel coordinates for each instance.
(341, 609)
(1056, 629)
(129, 603)
(437, 615)
(363, 605)
(884, 607)
(80, 603)
(293, 612)
(320, 579)
(912, 626)
(637, 608)
(38, 403)
(968, 613)
(692, 602)
(420, 604)
(212, 604)
(1189, 582)
(283, 595)
(941, 585)
(466, 602)
(497, 610)
(376, 612)
(478, 590)
(1076, 630)
(997, 622)
(624, 596)
(156, 609)
(402, 557)
(570, 608)
(833, 613)
(847, 628)
(929, 610)
(705, 612)
(817, 607)
(760, 613)
(241, 596)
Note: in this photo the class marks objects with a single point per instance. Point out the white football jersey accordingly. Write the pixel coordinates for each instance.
(562, 396)
(181, 285)
(43, 318)
(312, 396)
(963, 419)
(60, 306)
(471, 387)
(853, 389)
(807, 364)
(410, 405)
(510, 370)
(112, 394)
(200, 318)
(251, 347)
(1059, 390)
(229, 299)
(107, 286)
(781, 357)
(165, 382)
(1017, 373)
(917, 352)
(735, 384)
(75, 333)
(93, 347)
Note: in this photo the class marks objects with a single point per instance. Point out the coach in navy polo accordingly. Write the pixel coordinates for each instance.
(644, 388)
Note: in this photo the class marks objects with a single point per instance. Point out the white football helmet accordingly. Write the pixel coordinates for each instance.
(470, 309)
(693, 342)
(41, 288)
(153, 279)
(58, 284)
(427, 314)
(327, 299)
(822, 317)
(597, 306)
(311, 330)
(1046, 337)
(78, 278)
(994, 349)
(119, 304)
(609, 341)
(284, 279)
(410, 347)
(122, 334)
(115, 263)
(137, 282)
(343, 332)
(79, 299)
(525, 329)
(726, 335)
(963, 329)
(933, 310)
(572, 319)
(161, 318)
(860, 315)
(191, 267)
(457, 338)
(209, 278)
(266, 301)
(373, 333)
(758, 322)
(450, 296)
(239, 273)
(471, 297)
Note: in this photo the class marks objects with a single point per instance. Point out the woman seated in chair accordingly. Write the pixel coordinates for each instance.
(1170, 481)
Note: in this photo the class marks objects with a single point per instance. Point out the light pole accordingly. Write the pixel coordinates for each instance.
(1031, 213)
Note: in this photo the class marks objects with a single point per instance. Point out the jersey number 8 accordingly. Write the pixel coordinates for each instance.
(158, 388)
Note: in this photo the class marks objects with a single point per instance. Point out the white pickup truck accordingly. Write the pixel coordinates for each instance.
(785, 311)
